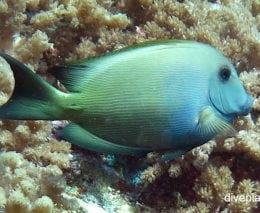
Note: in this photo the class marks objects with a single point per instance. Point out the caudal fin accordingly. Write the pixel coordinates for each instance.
(33, 98)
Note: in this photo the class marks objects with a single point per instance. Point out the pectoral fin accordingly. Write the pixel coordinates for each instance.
(79, 136)
(211, 125)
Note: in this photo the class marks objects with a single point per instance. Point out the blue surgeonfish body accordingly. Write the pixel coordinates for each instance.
(161, 96)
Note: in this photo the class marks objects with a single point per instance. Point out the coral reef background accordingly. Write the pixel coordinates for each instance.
(41, 174)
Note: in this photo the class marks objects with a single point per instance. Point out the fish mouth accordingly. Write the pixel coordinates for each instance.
(245, 110)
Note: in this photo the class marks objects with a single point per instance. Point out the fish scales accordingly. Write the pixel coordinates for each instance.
(163, 95)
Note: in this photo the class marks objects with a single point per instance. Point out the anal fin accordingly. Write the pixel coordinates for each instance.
(79, 136)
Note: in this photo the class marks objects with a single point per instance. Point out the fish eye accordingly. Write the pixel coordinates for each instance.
(224, 73)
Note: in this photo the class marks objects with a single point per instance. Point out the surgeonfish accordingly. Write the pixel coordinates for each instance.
(166, 96)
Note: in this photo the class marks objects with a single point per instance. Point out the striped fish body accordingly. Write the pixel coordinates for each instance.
(165, 95)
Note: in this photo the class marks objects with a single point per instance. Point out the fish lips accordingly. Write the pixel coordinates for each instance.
(242, 111)
(246, 108)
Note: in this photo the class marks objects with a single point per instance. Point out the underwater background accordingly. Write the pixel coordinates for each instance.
(41, 174)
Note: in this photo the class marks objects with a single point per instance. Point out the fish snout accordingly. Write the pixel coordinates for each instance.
(246, 107)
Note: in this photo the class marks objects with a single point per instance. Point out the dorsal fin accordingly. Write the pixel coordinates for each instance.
(73, 74)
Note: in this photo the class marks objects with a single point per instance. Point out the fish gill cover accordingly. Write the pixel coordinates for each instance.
(40, 173)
